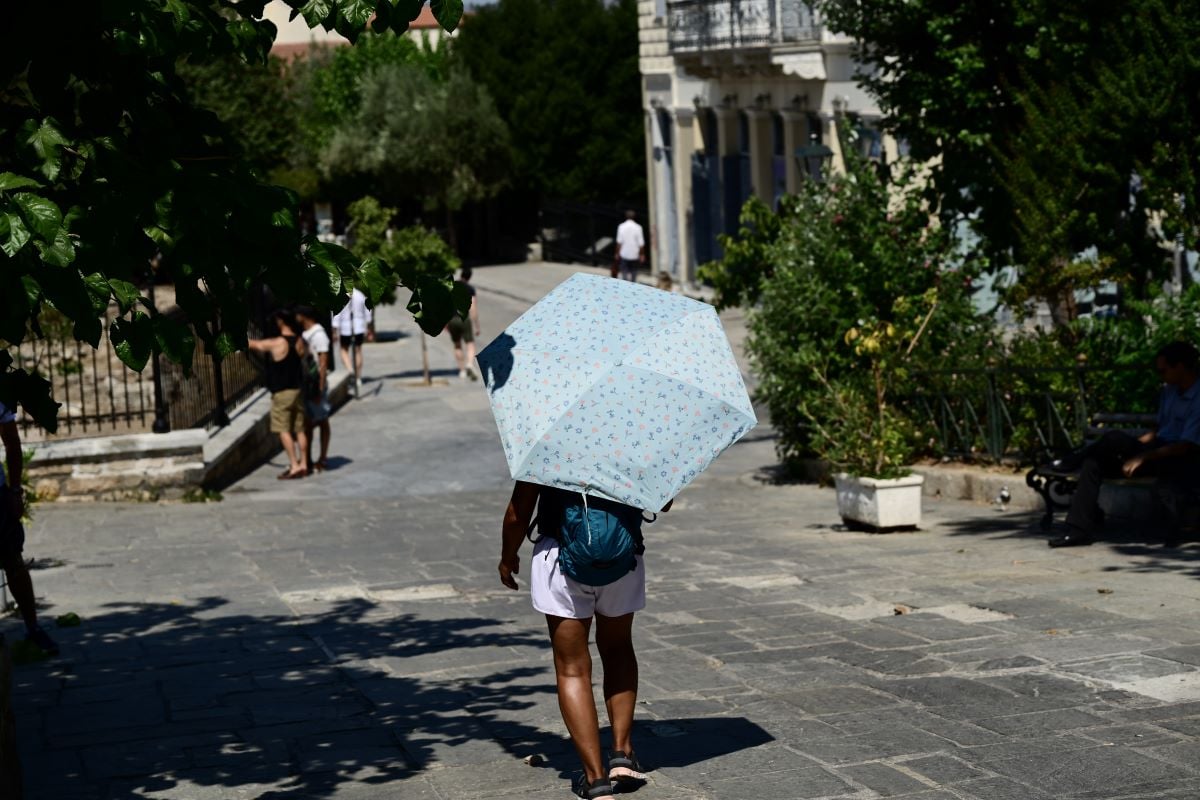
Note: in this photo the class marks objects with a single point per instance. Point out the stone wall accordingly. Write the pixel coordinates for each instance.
(162, 466)
(143, 466)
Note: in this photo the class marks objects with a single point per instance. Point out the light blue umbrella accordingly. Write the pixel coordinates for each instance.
(617, 389)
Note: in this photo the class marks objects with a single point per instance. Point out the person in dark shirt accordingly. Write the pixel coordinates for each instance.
(463, 331)
(1173, 447)
(285, 375)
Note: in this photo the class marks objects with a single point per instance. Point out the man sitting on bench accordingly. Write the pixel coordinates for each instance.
(1172, 448)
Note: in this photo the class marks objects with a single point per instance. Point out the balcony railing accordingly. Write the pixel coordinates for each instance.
(699, 25)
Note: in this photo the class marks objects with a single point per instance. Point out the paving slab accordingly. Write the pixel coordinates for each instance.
(345, 636)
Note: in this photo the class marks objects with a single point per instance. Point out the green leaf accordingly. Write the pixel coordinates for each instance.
(48, 142)
(125, 293)
(352, 17)
(373, 280)
(133, 339)
(383, 16)
(176, 341)
(225, 345)
(408, 9)
(34, 395)
(448, 13)
(10, 181)
(41, 215)
(98, 292)
(13, 232)
(59, 254)
(316, 12)
(329, 265)
(433, 303)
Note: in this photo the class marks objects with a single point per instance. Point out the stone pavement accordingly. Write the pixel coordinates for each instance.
(346, 636)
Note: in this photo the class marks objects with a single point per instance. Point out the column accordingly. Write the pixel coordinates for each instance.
(794, 137)
(685, 145)
(652, 189)
(761, 176)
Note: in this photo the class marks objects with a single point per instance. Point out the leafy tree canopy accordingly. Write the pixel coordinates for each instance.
(564, 74)
(106, 158)
(454, 152)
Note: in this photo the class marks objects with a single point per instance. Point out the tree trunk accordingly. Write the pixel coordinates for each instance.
(425, 360)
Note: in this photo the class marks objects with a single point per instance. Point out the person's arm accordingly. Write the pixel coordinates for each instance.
(1173, 450)
(516, 523)
(474, 315)
(1147, 437)
(323, 367)
(270, 347)
(14, 459)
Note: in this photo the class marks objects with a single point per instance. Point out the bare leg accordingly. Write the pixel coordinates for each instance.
(614, 640)
(573, 667)
(358, 362)
(289, 448)
(308, 430)
(458, 356)
(470, 354)
(325, 434)
(302, 449)
(21, 586)
(345, 348)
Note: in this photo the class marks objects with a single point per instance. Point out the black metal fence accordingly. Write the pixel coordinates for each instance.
(100, 395)
(1022, 414)
(584, 233)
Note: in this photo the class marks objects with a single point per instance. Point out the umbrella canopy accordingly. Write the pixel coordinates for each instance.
(615, 388)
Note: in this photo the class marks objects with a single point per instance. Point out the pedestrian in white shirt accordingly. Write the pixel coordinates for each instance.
(631, 247)
(350, 326)
(316, 384)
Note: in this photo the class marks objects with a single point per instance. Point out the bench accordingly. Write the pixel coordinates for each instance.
(1056, 487)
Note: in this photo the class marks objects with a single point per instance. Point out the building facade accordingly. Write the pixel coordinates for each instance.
(741, 98)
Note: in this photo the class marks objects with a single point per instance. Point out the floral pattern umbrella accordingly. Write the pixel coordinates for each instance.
(617, 389)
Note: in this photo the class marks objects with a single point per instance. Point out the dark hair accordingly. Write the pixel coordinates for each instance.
(465, 274)
(285, 316)
(1180, 353)
(631, 214)
(307, 311)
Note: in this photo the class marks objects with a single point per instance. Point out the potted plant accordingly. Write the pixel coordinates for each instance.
(866, 440)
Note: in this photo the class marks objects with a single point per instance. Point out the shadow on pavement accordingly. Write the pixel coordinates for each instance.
(416, 373)
(179, 699)
(389, 336)
(159, 697)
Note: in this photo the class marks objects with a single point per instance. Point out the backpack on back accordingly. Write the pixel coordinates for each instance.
(598, 539)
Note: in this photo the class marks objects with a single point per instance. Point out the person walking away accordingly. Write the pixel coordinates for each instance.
(569, 606)
(1170, 451)
(631, 247)
(316, 386)
(12, 533)
(463, 331)
(285, 375)
(350, 326)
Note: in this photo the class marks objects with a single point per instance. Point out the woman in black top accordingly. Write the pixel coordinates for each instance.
(285, 373)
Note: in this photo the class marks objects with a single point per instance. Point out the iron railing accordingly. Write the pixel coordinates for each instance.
(100, 395)
(698, 25)
(1023, 414)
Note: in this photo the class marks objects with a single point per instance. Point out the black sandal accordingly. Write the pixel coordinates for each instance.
(625, 772)
(601, 787)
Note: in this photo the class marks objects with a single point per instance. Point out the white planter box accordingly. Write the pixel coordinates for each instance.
(880, 504)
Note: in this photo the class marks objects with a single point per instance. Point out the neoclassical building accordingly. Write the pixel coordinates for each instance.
(741, 97)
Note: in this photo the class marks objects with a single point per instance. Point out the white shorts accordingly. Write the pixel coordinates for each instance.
(556, 594)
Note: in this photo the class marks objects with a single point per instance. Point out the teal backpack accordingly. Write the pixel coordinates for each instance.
(598, 539)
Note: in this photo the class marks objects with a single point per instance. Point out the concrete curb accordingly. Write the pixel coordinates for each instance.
(243, 444)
